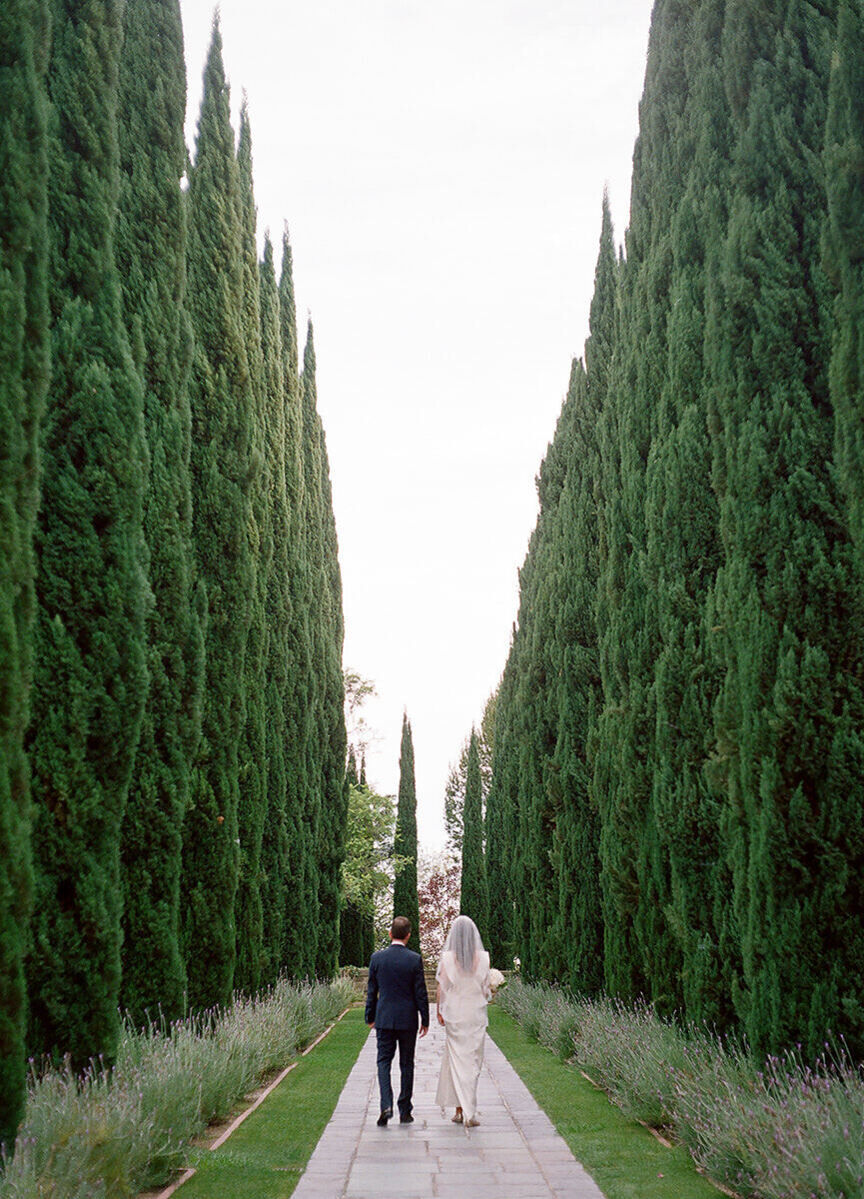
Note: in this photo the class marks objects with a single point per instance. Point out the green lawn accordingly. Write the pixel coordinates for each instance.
(622, 1157)
(267, 1154)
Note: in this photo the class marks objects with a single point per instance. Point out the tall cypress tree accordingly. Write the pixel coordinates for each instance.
(311, 814)
(352, 919)
(787, 597)
(474, 899)
(680, 882)
(499, 826)
(151, 253)
(327, 750)
(23, 380)
(727, 754)
(253, 762)
(275, 839)
(406, 901)
(222, 416)
(539, 652)
(844, 258)
(628, 619)
(576, 904)
(301, 895)
(90, 678)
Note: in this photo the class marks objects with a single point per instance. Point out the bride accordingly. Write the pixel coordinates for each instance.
(463, 992)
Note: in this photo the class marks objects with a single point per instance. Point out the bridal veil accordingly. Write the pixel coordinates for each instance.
(463, 949)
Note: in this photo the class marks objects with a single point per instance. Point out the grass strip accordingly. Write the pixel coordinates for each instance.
(622, 1157)
(267, 1154)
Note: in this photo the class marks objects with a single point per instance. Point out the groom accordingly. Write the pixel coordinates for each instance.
(395, 996)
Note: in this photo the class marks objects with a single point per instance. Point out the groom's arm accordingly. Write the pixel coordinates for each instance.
(372, 993)
(421, 998)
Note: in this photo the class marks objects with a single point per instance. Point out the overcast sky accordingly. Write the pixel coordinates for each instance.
(441, 168)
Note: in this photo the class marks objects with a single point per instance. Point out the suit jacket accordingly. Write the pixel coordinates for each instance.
(396, 993)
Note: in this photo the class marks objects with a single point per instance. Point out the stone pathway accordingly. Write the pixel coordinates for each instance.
(514, 1154)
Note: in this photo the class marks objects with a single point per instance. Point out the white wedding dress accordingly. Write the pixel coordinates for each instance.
(464, 995)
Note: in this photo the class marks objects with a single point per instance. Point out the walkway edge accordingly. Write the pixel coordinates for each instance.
(235, 1124)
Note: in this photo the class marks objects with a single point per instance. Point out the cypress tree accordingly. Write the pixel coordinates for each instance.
(627, 614)
(90, 678)
(301, 895)
(352, 936)
(253, 761)
(352, 919)
(454, 791)
(327, 750)
(844, 257)
(222, 417)
(351, 776)
(275, 844)
(23, 381)
(725, 759)
(454, 803)
(789, 714)
(405, 898)
(541, 943)
(499, 827)
(474, 899)
(151, 253)
(680, 879)
(311, 813)
(577, 905)
(542, 826)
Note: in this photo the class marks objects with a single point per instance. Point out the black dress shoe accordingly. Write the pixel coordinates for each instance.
(384, 1117)
(406, 1119)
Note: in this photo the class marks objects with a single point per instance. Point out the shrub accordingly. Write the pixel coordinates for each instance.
(783, 1132)
(117, 1132)
(788, 1131)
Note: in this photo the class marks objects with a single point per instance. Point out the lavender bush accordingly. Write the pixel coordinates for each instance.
(791, 1130)
(116, 1132)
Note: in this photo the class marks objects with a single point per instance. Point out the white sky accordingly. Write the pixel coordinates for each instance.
(441, 169)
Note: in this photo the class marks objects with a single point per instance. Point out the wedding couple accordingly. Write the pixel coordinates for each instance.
(396, 996)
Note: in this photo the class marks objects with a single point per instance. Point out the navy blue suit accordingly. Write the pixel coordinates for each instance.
(395, 997)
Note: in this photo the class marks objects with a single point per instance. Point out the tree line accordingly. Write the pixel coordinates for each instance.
(677, 799)
(172, 736)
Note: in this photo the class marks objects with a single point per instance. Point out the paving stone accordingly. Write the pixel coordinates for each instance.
(515, 1152)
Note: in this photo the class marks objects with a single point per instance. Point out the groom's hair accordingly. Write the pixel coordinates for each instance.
(400, 929)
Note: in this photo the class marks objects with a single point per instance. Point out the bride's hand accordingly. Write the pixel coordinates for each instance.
(440, 1018)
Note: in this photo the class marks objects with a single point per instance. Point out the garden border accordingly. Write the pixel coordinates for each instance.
(235, 1124)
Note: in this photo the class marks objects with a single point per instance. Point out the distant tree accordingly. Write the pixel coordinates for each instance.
(439, 877)
(474, 898)
(351, 769)
(357, 691)
(500, 821)
(366, 871)
(454, 791)
(405, 900)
